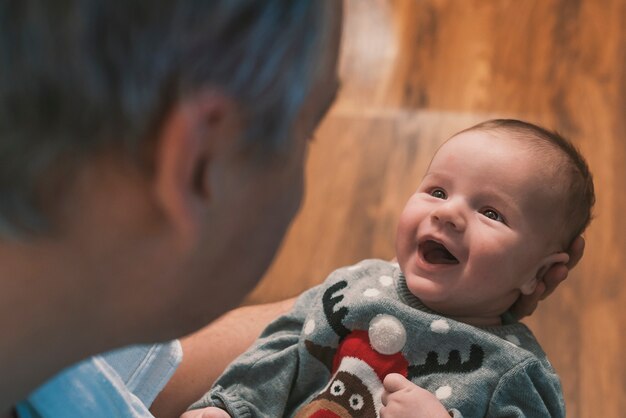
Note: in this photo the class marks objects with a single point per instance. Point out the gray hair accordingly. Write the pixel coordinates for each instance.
(77, 76)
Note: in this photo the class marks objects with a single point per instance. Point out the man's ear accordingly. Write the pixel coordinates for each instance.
(196, 130)
(529, 286)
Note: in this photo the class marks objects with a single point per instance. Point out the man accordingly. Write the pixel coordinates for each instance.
(152, 155)
(151, 159)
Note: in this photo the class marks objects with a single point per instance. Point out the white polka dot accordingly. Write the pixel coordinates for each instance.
(385, 280)
(513, 340)
(309, 327)
(443, 392)
(371, 293)
(440, 326)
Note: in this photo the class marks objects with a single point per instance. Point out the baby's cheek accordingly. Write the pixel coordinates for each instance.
(404, 235)
(487, 258)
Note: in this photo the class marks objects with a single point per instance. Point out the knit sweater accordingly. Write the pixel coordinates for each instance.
(332, 351)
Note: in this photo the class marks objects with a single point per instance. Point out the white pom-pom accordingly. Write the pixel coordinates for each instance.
(387, 334)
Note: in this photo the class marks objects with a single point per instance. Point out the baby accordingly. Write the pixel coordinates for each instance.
(430, 335)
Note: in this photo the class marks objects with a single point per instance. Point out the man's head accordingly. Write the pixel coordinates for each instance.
(499, 205)
(82, 76)
(156, 148)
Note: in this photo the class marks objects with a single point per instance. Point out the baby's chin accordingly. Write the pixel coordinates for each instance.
(430, 292)
(434, 296)
(450, 310)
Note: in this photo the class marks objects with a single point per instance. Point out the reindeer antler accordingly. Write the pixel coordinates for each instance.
(335, 320)
(335, 317)
(453, 365)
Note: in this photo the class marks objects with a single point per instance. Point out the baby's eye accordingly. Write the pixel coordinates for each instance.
(492, 214)
(438, 193)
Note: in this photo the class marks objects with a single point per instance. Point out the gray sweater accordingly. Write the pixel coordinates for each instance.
(331, 352)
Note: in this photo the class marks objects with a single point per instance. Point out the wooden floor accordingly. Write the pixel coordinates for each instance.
(416, 71)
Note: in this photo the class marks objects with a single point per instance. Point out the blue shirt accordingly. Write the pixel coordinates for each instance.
(121, 383)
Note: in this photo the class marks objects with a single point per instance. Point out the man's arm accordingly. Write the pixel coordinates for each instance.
(527, 304)
(207, 353)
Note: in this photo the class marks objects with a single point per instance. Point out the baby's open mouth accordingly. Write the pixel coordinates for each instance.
(436, 253)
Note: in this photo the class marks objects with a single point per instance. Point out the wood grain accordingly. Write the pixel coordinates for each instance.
(416, 71)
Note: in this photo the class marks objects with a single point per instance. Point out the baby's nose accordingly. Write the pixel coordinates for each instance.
(450, 214)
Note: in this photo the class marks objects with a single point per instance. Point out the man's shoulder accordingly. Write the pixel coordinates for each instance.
(121, 383)
(91, 388)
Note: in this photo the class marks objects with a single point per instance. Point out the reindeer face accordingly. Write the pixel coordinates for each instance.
(345, 396)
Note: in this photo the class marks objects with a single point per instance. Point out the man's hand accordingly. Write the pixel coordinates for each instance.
(526, 304)
(210, 412)
(403, 398)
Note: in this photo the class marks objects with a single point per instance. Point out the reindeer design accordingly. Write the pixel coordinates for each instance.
(359, 364)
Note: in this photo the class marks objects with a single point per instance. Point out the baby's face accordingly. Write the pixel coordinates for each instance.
(480, 228)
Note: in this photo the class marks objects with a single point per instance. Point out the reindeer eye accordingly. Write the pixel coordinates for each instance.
(337, 388)
(356, 402)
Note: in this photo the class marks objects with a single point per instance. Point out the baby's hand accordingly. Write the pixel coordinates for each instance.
(403, 398)
(210, 412)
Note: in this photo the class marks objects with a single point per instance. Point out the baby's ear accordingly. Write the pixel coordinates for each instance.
(528, 287)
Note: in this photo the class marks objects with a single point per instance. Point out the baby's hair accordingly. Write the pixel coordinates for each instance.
(580, 196)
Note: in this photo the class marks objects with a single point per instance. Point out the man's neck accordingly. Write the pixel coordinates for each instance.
(40, 330)
(9, 414)
(98, 284)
